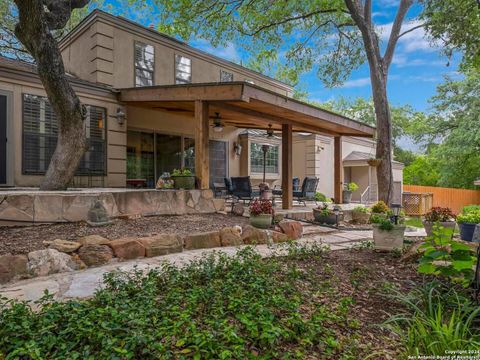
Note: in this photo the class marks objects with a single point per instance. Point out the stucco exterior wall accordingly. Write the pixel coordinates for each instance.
(115, 135)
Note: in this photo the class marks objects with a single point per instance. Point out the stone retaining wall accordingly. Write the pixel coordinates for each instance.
(31, 207)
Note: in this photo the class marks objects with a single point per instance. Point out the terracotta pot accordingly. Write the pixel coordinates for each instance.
(429, 226)
(262, 221)
(388, 239)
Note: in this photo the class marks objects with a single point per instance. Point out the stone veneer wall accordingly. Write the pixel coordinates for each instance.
(31, 207)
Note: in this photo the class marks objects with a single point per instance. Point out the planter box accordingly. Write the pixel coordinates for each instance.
(262, 221)
(184, 182)
(388, 239)
(466, 231)
(347, 196)
(429, 226)
(360, 217)
(326, 219)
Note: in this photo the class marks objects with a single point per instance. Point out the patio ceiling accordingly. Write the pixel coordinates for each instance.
(245, 105)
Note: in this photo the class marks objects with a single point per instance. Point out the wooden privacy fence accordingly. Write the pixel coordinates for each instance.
(455, 199)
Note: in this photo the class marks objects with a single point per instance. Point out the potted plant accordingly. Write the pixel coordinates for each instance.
(360, 214)
(467, 221)
(386, 234)
(324, 215)
(348, 189)
(261, 213)
(183, 179)
(441, 216)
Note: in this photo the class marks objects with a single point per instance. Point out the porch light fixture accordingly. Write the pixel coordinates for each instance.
(121, 116)
(237, 148)
(269, 131)
(217, 124)
(396, 212)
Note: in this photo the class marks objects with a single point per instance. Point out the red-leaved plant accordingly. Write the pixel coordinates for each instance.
(439, 214)
(259, 207)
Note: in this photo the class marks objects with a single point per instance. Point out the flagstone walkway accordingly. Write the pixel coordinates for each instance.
(83, 283)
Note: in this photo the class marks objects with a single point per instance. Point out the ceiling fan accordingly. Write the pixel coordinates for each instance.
(217, 123)
(269, 131)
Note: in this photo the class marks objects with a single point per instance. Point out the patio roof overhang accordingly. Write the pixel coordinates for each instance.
(245, 105)
(248, 106)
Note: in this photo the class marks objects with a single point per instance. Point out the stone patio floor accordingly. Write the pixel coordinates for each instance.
(84, 283)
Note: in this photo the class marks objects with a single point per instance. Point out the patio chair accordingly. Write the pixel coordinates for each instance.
(241, 188)
(308, 190)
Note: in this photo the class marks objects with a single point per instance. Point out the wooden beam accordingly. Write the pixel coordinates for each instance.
(268, 118)
(287, 172)
(338, 170)
(202, 129)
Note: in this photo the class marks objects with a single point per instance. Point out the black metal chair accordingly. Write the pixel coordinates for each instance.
(241, 188)
(308, 190)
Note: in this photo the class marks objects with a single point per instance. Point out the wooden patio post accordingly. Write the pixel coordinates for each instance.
(338, 170)
(287, 175)
(202, 128)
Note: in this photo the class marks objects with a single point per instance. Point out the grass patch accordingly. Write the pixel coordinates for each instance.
(217, 307)
(414, 221)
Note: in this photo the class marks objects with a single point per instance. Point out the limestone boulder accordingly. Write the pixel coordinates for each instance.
(49, 261)
(293, 229)
(202, 240)
(12, 266)
(161, 244)
(128, 248)
(64, 245)
(279, 237)
(252, 235)
(95, 254)
(93, 240)
(238, 209)
(231, 236)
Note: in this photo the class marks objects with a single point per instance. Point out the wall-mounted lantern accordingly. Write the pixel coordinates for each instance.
(121, 116)
(237, 148)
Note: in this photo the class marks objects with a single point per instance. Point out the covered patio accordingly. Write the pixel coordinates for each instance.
(244, 105)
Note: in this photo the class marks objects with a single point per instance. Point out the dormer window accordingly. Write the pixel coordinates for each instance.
(144, 64)
(226, 76)
(183, 70)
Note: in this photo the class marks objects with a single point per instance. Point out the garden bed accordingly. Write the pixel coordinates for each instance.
(308, 305)
(21, 240)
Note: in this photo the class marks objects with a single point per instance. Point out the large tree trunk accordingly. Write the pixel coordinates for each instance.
(36, 19)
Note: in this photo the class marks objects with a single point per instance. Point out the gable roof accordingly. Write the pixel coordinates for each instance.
(361, 156)
(129, 25)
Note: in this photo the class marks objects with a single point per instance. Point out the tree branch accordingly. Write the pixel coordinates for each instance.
(412, 29)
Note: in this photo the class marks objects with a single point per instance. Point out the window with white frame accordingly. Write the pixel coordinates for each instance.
(256, 159)
(183, 70)
(226, 76)
(144, 64)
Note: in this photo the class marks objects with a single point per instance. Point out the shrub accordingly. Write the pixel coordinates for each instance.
(380, 208)
(181, 172)
(262, 206)
(378, 218)
(439, 214)
(351, 186)
(443, 256)
(472, 217)
(322, 198)
(470, 208)
(438, 319)
(386, 225)
(361, 209)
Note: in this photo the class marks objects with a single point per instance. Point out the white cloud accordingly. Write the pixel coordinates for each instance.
(360, 82)
(228, 52)
(414, 41)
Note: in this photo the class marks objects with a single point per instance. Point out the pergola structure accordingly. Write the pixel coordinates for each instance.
(247, 106)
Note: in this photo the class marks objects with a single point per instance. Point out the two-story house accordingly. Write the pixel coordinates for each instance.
(156, 104)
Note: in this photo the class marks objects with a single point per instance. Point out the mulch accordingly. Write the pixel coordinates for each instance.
(21, 240)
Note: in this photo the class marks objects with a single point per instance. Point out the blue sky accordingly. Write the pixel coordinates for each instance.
(417, 68)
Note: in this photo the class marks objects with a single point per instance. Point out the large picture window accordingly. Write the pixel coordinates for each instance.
(183, 70)
(256, 159)
(144, 64)
(40, 131)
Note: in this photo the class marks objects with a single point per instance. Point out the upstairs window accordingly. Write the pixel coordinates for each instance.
(40, 131)
(183, 70)
(226, 76)
(144, 64)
